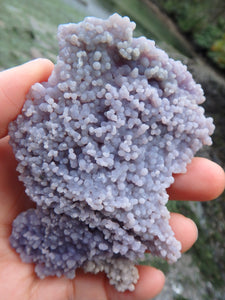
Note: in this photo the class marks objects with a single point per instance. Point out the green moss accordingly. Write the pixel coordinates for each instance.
(217, 51)
(203, 23)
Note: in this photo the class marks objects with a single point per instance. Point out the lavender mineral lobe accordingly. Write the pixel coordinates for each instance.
(96, 147)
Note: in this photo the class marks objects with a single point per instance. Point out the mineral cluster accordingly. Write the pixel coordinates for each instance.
(96, 147)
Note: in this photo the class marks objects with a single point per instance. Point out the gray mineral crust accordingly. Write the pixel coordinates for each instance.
(96, 147)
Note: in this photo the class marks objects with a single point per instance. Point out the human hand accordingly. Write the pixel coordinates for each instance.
(203, 181)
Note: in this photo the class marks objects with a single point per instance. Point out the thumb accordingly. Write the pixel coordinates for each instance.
(14, 85)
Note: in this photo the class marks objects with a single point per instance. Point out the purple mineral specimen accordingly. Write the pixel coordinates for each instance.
(96, 147)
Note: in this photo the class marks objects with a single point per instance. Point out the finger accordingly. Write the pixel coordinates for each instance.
(149, 285)
(185, 230)
(12, 195)
(89, 286)
(203, 181)
(14, 85)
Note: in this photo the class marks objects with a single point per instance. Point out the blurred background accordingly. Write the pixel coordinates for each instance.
(191, 31)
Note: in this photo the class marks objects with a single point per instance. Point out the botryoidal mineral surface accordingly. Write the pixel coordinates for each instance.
(96, 147)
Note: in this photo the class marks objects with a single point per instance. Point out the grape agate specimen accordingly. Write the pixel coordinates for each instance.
(96, 147)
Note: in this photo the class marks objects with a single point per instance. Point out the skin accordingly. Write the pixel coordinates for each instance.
(203, 181)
